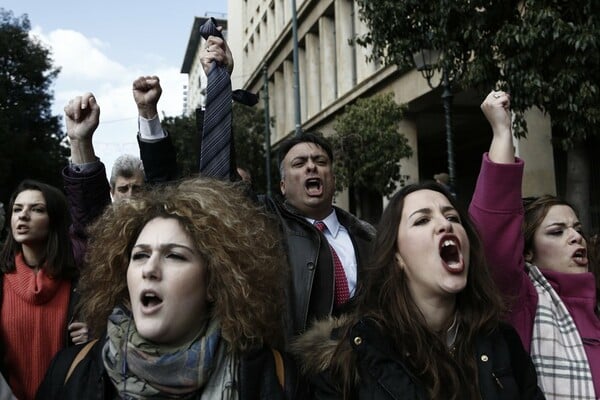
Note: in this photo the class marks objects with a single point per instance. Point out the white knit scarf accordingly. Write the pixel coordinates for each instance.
(556, 347)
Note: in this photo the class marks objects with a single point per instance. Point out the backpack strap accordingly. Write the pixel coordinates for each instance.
(279, 367)
(80, 356)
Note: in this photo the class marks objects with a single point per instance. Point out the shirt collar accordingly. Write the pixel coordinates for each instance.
(331, 222)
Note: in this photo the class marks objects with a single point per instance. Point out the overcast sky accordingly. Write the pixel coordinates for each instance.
(102, 46)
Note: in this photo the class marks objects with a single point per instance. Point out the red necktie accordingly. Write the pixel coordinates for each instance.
(342, 293)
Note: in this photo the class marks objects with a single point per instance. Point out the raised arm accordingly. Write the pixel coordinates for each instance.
(218, 52)
(82, 116)
(496, 207)
(496, 108)
(85, 182)
(217, 157)
(86, 186)
(156, 148)
(146, 93)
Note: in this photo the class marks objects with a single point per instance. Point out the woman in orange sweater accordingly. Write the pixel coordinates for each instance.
(37, 270)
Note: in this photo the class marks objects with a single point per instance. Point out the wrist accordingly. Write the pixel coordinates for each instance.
(147, 112)
(502, 132)
(82, 151)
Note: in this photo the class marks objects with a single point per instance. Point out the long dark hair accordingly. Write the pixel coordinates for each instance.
(59, 261)
(385, 298)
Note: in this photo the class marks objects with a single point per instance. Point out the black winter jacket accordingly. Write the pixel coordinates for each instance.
(311, 290)
(505, 370)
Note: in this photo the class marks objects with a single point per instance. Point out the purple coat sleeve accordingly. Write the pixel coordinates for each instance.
(497, 211)
(87, 194)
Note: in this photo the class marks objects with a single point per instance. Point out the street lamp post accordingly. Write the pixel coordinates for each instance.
(424, 61)
(267, 129)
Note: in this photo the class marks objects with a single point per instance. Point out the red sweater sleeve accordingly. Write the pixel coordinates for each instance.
(497, 211)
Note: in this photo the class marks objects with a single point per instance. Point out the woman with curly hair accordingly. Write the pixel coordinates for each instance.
(426, 324)
(540, 260)
(200, 307)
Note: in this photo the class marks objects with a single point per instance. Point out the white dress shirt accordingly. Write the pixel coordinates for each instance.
(338, 237)
(150, 129)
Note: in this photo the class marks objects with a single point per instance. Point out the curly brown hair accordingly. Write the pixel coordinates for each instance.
(238, 242)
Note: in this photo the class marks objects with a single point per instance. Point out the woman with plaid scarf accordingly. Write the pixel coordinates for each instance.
(539, 257)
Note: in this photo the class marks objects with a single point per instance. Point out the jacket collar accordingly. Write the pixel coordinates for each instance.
(344, 218)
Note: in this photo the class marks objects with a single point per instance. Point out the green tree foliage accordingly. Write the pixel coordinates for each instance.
(545, 52)
(464, 30)
(248, 131)
(551, 59)
(30, 136)
(182, 130)
(368, 145)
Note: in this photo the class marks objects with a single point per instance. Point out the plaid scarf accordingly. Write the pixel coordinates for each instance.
(140, 369)
(556, 347)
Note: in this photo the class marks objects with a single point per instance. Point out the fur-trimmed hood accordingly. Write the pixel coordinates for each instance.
(315, 349)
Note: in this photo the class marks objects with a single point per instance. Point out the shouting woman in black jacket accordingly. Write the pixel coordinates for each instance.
(427, 319)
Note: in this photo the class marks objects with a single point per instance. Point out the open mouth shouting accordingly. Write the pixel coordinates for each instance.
(150, 301)
(314, 186)
(22, 228)
(451, 255)
(580, 257)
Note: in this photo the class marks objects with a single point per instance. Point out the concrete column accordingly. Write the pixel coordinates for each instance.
(408, 166)
(287, 13)
(327, 58)
(342, 199)
(345, 57)
(288, 76)
(313, 76)
(263, 38)
(537, 151)
(279, 14)
(237, 20)
(244, 14)
(271, 24)
(302, 71)
(279, 103)
(273, 108)
(252, 48)
(364, 69)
